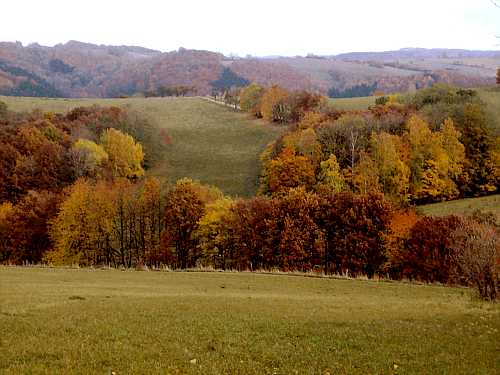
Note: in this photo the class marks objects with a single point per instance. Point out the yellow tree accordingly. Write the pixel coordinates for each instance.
(311, 119)
(82, 231)
(273, 104)
(88, 157)
(453, 148)
(150, 220)
(6, 222)
(393, 173)
(436, 159)
(125, 155)
(212, 233)
(330, 178)
(365, 178)
(305, 143)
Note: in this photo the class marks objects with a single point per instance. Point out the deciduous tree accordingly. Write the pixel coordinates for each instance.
(125, 156)
(289, 171)
(250, 99)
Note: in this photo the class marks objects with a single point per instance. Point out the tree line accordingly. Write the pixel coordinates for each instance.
(435, 145)
(74, 191)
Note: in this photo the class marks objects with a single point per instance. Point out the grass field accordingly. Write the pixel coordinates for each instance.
(463, 206)
(211, 143)
(64, 321)
(489, 95)
(350, 104)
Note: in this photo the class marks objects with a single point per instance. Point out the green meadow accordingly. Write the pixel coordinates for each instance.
(85, 321)
(210, 143)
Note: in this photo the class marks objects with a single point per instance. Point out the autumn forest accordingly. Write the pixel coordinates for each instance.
(337, 190)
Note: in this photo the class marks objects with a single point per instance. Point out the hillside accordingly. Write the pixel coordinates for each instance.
(491, 96)
(238, 323)
(77, 69)
(463, 206)
(210, 143)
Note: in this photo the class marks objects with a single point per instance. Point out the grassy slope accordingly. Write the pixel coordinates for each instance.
(211, 143)
(350, 104)
(490, 96)
(463, 206)
(91, 322)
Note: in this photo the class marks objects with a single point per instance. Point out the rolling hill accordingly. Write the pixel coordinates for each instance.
(77, 69)
(210, 143)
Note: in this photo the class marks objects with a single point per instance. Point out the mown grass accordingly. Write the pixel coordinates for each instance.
(210, 143)
(463, 206)
(65, 321)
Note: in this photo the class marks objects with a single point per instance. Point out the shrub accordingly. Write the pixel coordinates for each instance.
(476, 248)
(427, 254)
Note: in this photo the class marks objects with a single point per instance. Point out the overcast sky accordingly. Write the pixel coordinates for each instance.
(256, 27)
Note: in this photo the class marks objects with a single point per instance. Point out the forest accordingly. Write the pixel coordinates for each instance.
(337, 191)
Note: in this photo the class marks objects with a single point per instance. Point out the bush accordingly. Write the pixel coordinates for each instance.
(427, 254)
(476, 248)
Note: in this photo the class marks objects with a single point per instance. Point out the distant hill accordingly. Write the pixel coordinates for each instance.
(77, 69)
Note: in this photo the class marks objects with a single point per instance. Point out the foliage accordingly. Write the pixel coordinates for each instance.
(393, 173)
(184, 207)
(365, 177)
(289, 170)
(114, 223)
(125, 156)
(59, 66)
(354, 91)
(25, 227)
(252, 230)
(274, 106)
(427, 254)
(212, 233)
(301, 240)
(330, 178)
(88, 157)
(355, 229)
(3, 110)
(229, 79)
(30, 83)
(250, 98)
(83, 228)
(476, 251)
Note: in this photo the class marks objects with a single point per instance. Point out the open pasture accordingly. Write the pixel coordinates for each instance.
(83, 321)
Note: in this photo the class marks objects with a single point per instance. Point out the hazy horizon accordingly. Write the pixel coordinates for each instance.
(256, 56)
(261, 29)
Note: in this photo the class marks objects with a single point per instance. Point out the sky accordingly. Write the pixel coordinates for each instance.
(256, 27)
